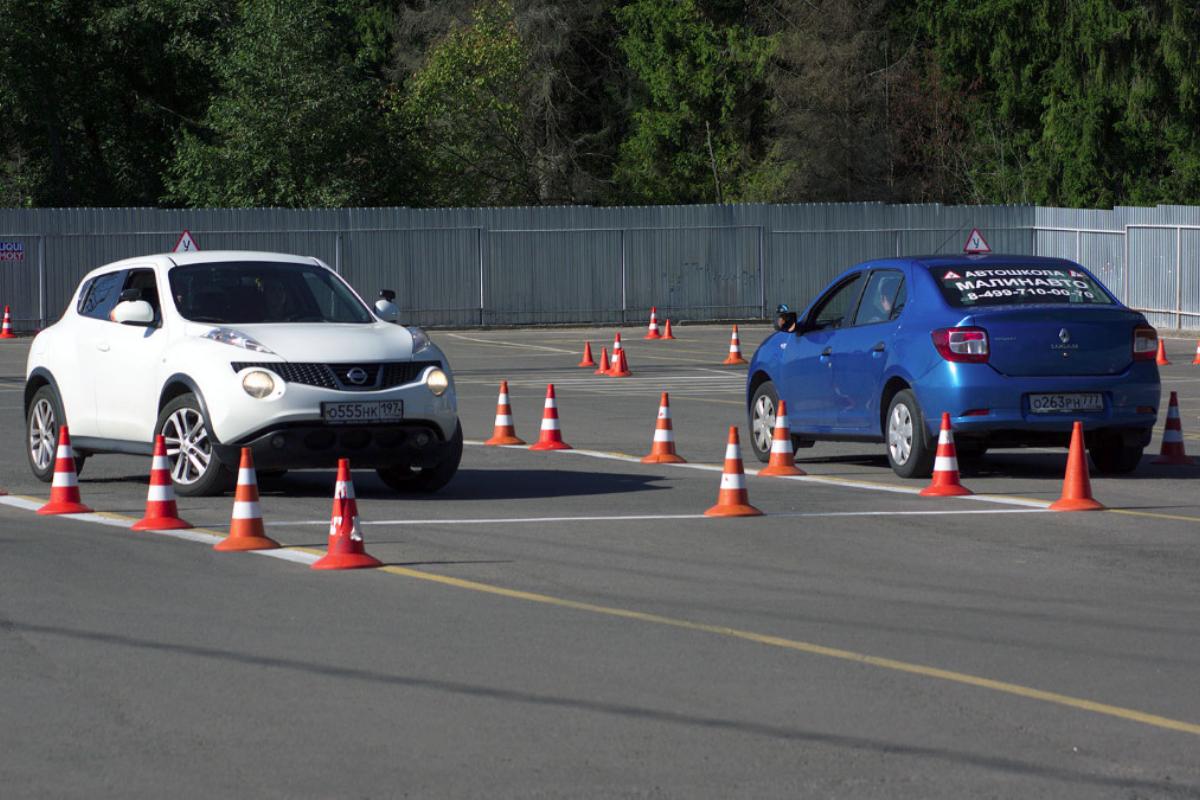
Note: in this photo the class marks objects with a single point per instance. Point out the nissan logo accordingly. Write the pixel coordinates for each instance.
(1064, 336)
(357, 376)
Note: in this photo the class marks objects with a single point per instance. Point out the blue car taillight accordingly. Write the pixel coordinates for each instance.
(968, 345)
(1145, 344)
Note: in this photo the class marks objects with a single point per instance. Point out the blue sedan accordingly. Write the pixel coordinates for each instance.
(1014, 348)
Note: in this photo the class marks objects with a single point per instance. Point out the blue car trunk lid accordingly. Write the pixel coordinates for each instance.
(1058, 340)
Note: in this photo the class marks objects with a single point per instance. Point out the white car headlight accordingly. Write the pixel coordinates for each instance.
(437, 381)
(237, 339)
(258, 384)
(420, 339)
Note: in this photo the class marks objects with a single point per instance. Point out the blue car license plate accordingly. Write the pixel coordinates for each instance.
(362, 412)
(1066, 403)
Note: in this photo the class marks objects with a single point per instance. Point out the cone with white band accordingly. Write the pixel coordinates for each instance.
(621, 368)
(346, 550)
(504, 432)
(735, 349)
(945, 466)
(652, 328)
(663, 449)
(551, 435)
(667, 334)
(246, 526)
(783, 458)
(602, 369)
(733, 500)
(6, 326)
(1172, 451)
(161, 512)
(587, 360)
(615, 356)
(1196, 360)
(64, 491)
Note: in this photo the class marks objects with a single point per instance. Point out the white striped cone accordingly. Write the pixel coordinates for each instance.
(735, 349)
(614, 358)
(504, 432)
(662, 451)
(945, 465)
(551, 435)
(783, 460)
(652, 328)
(1196, 360)
(1172, 451)
(733, 499)
(6, 326)
(345, 550)
(246, 525)
(64, 489)
(161, 512)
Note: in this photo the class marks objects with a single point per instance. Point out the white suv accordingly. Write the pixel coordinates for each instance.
(223, 350)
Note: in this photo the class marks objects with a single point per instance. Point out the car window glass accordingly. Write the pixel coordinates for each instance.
(263, 292)
(143, 281)
(101, 295)
(901, 299)
(834, 308)
(994, 284)
(879, 297)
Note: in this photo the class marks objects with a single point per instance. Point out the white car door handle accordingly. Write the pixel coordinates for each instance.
(102, 346)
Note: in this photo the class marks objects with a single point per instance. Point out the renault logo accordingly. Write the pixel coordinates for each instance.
(357, 376)
(1064, 336)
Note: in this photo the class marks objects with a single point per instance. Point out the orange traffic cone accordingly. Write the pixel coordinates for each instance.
(64, 490)
(1161, 358)
(667, 331)
(587, 356)
(345, 549)
(1196, 360)
(783, 458)
(6, 326)
(652, 328)
(945, 466)
(603, 367)
(732, 500)
(504, 431)
(663, 449)
(615, 356)
(551, 436)
(735, 349)
(1172, 443)
(161, 512)
(246, 526)
(621, 368)
(1077, 486)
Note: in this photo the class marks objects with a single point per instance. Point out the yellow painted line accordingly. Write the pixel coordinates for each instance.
(810, 648)
(936, 673)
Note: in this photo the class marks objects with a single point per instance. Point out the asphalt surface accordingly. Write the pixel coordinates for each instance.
(569, 625)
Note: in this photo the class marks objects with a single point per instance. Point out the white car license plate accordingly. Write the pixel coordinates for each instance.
(362, 412)
(1066, 403)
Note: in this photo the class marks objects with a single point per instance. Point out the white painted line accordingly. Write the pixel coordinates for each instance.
(825, 481)
(508, 344)
(628, 517)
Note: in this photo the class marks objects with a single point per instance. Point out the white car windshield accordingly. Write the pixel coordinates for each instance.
(249, 292)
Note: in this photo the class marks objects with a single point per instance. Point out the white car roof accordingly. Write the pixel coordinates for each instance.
(167, 260)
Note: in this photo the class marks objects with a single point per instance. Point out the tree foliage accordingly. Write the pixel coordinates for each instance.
(466, 102)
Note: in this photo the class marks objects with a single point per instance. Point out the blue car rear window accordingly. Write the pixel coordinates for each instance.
(998, 285)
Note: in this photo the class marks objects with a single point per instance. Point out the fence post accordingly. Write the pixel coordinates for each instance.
(624, 296)
(41, 282)
(762, 273)
(479, 247)
(1178, 278)
(337, 254)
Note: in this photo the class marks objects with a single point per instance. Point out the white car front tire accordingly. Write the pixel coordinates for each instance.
(195, 469)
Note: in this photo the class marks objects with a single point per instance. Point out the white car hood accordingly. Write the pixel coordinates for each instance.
(328, 342)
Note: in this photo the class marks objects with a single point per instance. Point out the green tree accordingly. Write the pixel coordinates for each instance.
(296, 120)
(698, 110)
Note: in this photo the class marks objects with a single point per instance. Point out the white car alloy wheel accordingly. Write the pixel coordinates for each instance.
(43, 434)
(900, 433)
(188, 446)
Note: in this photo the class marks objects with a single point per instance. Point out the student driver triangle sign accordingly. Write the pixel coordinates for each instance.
(976, 243)
(186, 244)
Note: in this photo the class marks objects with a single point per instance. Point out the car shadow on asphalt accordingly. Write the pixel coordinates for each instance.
(471, 484)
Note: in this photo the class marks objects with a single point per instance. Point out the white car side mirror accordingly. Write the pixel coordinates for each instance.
(133, 312)
(387, 310)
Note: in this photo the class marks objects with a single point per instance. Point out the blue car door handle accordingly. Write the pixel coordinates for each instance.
(879, 347)
(827, 352)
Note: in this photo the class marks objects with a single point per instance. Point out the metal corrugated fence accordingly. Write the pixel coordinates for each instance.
(580, 264)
